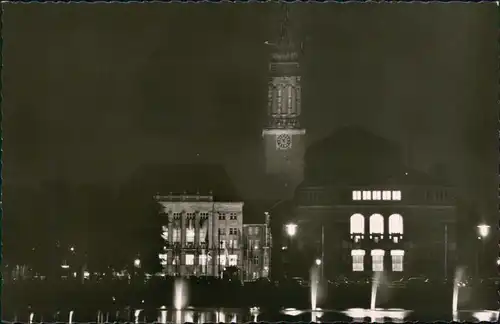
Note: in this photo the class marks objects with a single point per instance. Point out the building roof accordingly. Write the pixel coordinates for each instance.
(354, 156)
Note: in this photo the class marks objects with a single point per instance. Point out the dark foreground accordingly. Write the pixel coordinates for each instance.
(118, 300)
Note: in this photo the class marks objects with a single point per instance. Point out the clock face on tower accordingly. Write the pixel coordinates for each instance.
(283, 141)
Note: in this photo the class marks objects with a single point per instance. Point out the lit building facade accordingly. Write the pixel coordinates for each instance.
(405, 230)
(257, 251)
(202, 236)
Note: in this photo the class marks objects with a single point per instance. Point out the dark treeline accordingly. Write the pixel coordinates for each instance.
(91, 226)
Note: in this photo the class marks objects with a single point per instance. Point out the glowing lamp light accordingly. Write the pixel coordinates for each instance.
(483, 230)
(318, 262)
(291, 229)
(137, 263)
(65, 266)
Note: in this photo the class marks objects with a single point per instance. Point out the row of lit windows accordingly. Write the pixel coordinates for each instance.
(190, 238)
(175, 236)
(377, 255)
(232, 216)
(376, 195)
(376, 222)
(189, 259)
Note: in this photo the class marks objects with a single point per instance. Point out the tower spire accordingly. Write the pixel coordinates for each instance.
(285, 25)
(284, 47)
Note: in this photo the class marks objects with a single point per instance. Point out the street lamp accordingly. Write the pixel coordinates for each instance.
(483, 230)
(137, 263)
(291, 229)
(318, 262)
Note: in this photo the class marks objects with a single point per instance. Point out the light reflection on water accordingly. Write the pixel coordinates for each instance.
(166, 315)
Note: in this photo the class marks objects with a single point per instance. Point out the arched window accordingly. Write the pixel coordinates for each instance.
(395, 224)
(376, 225)
(357, 225)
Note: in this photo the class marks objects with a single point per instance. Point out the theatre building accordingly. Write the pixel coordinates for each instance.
(376, 213)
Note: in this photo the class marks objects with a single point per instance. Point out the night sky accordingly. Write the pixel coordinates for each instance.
(91, 92)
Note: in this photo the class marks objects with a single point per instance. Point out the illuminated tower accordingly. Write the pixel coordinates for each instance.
(284, 139)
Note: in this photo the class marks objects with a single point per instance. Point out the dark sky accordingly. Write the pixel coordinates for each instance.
(93, 91)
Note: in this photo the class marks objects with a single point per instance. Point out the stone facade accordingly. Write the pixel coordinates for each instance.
(257, 251)
(202, 237)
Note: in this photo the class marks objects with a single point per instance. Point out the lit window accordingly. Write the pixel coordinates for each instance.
(233, 244)
(202, 259)
(357, 224)
(233, 260)
(356, 195)
(396, 195)
(386, 195)
(256, 244)
(164, 233)
(203, 234)
(256, 230)
(190, 235)
(376, 195)
(376, 225)
(358, 260)
(367, 195)
(395, 226)
(189, 259)
(397, 260)
(163, 258)
(378, 260)
(222, 260)
(176, 235)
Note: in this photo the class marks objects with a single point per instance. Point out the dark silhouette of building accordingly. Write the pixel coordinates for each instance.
(376, 213)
